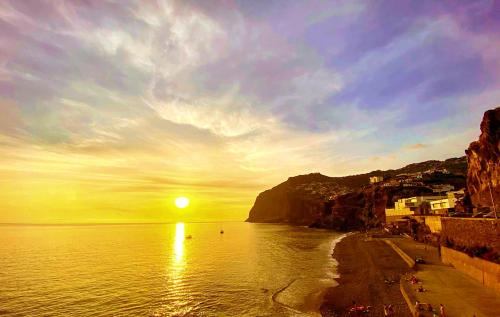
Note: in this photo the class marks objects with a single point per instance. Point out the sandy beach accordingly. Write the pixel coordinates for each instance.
(364, 267)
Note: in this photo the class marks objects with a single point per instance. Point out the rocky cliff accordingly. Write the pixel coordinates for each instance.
(347, 202)
(298, 200)
(483, 174)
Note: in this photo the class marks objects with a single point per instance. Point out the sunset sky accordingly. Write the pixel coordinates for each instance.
(109, 110)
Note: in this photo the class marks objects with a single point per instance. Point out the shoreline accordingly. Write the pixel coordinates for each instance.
(363, 266)
(313, 300)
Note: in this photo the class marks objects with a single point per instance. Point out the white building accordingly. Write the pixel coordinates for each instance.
(376, 179)
(408, 206)
(442, 206)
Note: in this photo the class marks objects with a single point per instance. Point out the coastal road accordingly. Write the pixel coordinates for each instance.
(364, 265)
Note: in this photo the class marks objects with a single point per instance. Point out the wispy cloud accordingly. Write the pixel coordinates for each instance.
(416, 146)
(122, 105)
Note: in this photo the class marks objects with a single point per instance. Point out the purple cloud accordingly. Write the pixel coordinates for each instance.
(243, 69)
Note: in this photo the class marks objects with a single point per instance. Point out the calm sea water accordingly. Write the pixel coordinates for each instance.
(154, 270)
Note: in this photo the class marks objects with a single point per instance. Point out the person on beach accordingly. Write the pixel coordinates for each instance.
(417, 309)
(441, 310)
(390, 310)
(413, 279)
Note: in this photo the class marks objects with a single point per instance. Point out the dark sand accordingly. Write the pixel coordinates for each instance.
(364, 264)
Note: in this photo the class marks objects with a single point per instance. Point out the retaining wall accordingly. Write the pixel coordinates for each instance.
(488, 273)
(433, 222)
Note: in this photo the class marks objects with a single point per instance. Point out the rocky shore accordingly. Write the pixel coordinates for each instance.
(369, 271)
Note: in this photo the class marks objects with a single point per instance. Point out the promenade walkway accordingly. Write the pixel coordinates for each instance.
(459, 293)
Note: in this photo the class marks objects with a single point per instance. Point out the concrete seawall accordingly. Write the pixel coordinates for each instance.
(487, 273)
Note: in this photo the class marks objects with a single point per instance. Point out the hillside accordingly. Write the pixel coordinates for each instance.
(345, 202)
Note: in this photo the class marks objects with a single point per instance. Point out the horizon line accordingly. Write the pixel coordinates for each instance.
(108, 223)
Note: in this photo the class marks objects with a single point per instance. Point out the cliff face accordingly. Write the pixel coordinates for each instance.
(345, 202)
(483, 163)
(299, 200)
(363, 207)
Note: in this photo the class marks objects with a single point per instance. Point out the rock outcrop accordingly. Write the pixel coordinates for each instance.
(347, 202)
(299, 200)
(483, 174)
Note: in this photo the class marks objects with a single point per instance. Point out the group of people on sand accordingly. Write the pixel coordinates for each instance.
(388, 310)
(359, 308)
(413, 279)
(419, 307)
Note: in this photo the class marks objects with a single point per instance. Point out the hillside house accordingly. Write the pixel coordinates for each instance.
(391, 183)
(408, 207)
(442, 206)
(442, 188)
(376, 179)
(445, 205)
(413, 184)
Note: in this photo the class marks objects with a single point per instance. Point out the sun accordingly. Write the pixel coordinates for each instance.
(181, 202)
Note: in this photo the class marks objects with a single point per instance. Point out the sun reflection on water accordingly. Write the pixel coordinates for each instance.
(179, 243)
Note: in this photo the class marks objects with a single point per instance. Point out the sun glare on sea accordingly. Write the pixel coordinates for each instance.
(179, 242)
(181, 202)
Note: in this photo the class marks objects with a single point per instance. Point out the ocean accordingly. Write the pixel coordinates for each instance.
(183, 269)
